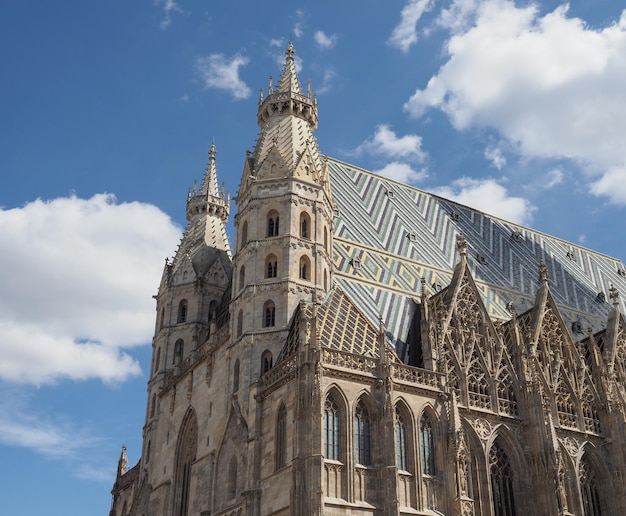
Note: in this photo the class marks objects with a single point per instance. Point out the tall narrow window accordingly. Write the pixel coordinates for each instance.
(427, 446)
(271, 266)
(362, 435)
(501, 476)
(153, 406)
(325, 239)
(231, 484)
(305, 223)
(401, 441)
(185, 457)
(281, 437)
(242, 277)
(179, 348)
(239, 323)
(331, 429)
(266, 361)
(269, 314)
(162, 323)
(272, 223)
(305, 268)
(590, 489)
(236, 376)
(182, 311)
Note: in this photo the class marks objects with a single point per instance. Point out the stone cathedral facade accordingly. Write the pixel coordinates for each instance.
(369, 348)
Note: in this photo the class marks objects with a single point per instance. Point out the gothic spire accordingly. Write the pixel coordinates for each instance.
(289, 79)
(209, 183)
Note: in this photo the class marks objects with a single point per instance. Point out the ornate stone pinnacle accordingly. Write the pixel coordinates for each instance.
(543, 272)
(461, 244)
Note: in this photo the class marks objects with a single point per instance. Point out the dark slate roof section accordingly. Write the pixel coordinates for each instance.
(389, 235)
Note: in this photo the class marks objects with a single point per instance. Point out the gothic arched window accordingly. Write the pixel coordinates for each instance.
(402, 446)
(266, 361)
(269, 314)
(239, 323)
(325, 239)
(590, 489)
(272, 223)
(427, 446)
(153, 406)
(182, 311)
(331, 429)
(501, 477)
(185, 457)
(280, 453)
(271, 266)
(305, 268)
(179, 348)
(362, 435)
(305, 225)
(242, 277)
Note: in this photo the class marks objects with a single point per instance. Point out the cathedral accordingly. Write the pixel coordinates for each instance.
(367, 348)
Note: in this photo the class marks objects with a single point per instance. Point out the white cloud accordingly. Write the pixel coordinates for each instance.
(553, 178)
(276, 42)
(405, 33)
(218, 71)
(489, 196)
(551, 85)
(495, 154)
(612, 184)
(53, 436)
(169, 7)
(325, 41)
(77, 277)
(385, 142)
(402, 172)
(327, 80)
(298, 28)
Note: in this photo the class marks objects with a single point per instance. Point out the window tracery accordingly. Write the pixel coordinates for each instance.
(501, 477)
(362, 435)
(331, 429)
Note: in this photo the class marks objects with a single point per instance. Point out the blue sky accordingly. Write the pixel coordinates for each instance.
(107, 112)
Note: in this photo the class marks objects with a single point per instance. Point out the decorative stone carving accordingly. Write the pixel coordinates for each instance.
(483, 428)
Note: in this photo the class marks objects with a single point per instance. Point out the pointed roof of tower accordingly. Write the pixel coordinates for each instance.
(205, 240)
(209, 183)
(289, 78)
(287, 119)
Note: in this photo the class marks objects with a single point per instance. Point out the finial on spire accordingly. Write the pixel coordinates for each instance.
(290, 50)
(543, 272)
(270, 88)
(122, 464)
(212, 150)
(260, 96)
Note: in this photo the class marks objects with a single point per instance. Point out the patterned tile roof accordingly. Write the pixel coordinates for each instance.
(389, 235)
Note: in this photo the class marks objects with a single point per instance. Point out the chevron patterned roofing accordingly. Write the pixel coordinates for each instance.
(389, 235)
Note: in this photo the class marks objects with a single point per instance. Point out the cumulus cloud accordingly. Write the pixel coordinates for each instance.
(386, 143)
(276, 42)
(77, 277)
(325, 41)
(489, 196)
(405, 33)
(402, 172)
(550, 85)
(169, 7)
(612, 184)
(221, 72)
(495, 154)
